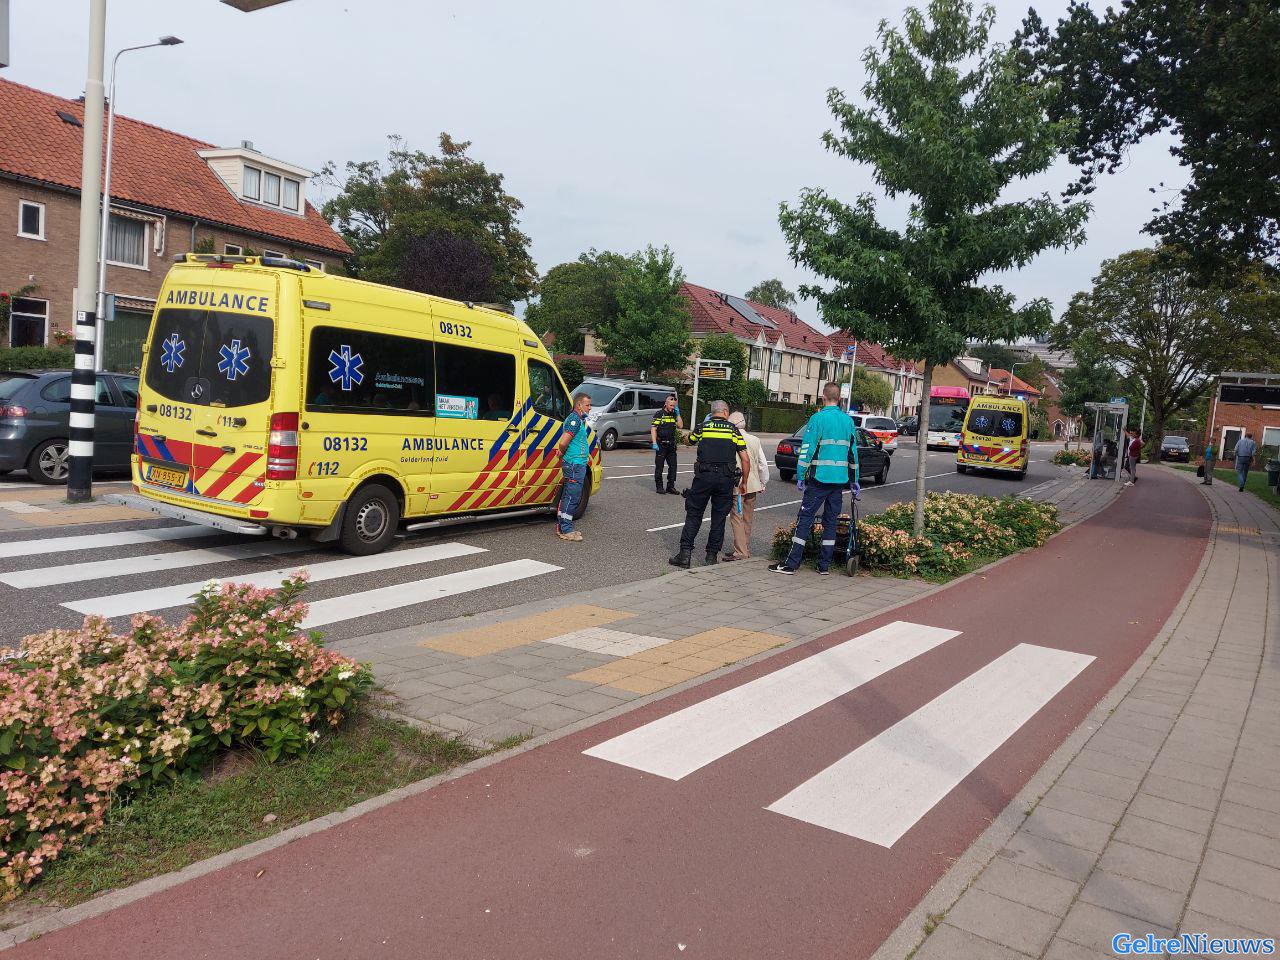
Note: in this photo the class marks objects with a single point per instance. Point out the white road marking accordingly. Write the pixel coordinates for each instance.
(127, 566)
(91, 541)
(792, 503)
(882, 789)
(421, 591)
(632, 476)
(17, 506)
(680, 743)
(613, 643)
(120, 604)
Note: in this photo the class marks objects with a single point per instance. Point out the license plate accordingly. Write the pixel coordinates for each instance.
(166, 477)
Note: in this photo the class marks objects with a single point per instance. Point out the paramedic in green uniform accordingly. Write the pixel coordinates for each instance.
(575, 446)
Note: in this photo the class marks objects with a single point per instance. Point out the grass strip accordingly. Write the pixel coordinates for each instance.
(1256, 484)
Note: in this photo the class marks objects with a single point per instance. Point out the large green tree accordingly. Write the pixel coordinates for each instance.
(724, 346)
(870, 392)
(1091, 380)
(1208, 73)
(579, 295)
(772, 293)
(951, 122)
(396, 215)
(1149, 315)
(650, 332)
(994, 355)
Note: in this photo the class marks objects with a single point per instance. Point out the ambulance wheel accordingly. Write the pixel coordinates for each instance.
(1020, 475)
(961, 468)
(583, 500)
(370, 521)
(610, 439)
(851, 565)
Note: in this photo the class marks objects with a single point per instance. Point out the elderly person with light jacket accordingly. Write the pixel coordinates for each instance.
(740, 522)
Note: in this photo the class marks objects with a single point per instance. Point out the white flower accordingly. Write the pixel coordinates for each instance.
(345, 674)
(211, 584)
(297, 691)
(313, 736)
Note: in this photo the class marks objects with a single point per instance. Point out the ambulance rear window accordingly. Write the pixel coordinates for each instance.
(988, 422)
(211, 358)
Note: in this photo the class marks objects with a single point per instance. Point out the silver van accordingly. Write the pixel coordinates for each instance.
(622, 409)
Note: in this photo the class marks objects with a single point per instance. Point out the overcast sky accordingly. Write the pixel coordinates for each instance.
(684, 123)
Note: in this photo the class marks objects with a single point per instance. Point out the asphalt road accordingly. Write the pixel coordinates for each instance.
(629, 533)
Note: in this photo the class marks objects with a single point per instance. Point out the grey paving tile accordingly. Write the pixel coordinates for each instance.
(1096, 782)
(1149, 865)
(1243, 844)
(1049, 856)
(1248, 795)
(1172, 812)
(590, 701)
(1196, 922)
(1161, 837)
(1066, 950)
(426, 706)
(1134, 898)
(1046, 892)
(552, 716)
(1191, 772)
(529, 697)
(1081, 803)
(504, 730)
(1234, 906)
(1094, 759)
(566, 687)
(1258, 879)
(948, 942)
(454, 678)
(1206, 798)
(489, 711)
(1249, 818)
(468, 693)
(1002, 921)
(508, 682)
(1094, 927)
(1069, 828)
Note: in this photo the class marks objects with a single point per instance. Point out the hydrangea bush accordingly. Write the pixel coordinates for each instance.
(87, 716)
(1078, 457)
(960, 531)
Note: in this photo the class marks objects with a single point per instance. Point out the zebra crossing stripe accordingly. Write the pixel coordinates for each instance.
(161, 598)
(125, 566)
(92, 541)
(676, 745)
(882, 789)
(382, 599)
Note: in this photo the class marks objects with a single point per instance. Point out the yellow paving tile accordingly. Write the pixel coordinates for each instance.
(656, 656)
(639, 684)
(668, 674)
(697, 664)
(609, 672)
(73, 515)
(717, 635)
(480, 641)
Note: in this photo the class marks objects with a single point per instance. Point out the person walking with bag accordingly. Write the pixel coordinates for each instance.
(823, 469)
(742, 516)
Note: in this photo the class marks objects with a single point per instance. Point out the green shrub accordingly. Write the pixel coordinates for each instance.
(36, 358)
(1076, 457)
(87, 715)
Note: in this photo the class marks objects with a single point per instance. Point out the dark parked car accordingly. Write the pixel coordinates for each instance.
(1175, 448)
(909, 426)
(873, 458)
(35, 408)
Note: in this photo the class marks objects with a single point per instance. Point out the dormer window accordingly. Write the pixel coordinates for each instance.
(271, 189)
(292, 189)
(252, 183)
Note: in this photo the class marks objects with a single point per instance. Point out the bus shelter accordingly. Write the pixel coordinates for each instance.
(1109, 423)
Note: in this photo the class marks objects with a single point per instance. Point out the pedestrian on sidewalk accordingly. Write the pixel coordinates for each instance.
(1096, 468)
(663, 434)
(743, 514)
(1245, 450)
(575, 449)
(721, 469)
(823, 469)
(1132, 451)
(1208, 464)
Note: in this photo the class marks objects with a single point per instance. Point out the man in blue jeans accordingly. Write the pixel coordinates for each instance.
(1245, 450)
(829, 446)
(575, 448)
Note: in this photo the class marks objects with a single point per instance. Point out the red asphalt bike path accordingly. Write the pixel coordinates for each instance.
(553, 854)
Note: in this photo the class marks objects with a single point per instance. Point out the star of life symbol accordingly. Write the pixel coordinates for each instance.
(171, 352)
(348, 368)
(234, 360)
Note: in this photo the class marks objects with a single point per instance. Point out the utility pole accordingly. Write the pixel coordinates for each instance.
(83, 379)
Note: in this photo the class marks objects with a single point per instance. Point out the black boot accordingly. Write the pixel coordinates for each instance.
(712, 557)
(682, 559)
(671, 488)
(659, 489)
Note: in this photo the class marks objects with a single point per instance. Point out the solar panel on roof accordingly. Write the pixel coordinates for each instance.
(748, 312)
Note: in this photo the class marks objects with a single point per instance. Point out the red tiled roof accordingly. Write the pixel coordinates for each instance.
(709, 314)
(150, 167)
(869, 354)
(1000, 377)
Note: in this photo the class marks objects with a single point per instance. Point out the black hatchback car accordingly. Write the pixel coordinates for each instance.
(35, 409)
(1175, 448)
(873, 459)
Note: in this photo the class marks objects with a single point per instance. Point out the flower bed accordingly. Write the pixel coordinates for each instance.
(961, 531)
(1067, 458)
(88, 716)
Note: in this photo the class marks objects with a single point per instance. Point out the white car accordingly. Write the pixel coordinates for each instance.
(882, 428)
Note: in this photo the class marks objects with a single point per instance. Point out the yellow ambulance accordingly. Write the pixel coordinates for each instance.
(994, 436)
(278, 399)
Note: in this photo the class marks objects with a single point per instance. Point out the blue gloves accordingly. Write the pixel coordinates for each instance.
(655, 446)
(856, 488)
(800, 484)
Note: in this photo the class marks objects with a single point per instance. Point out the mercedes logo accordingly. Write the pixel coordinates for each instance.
(197, 391)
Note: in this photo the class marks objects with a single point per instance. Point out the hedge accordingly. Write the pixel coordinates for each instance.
(36, 358)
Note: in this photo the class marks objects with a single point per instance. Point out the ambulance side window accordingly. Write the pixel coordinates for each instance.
(483, 380)
(549, 398)
(355, 371)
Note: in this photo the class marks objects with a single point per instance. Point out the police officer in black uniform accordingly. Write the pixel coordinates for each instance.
(720, 471)
(663, 435)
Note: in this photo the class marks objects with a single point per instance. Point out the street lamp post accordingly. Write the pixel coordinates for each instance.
(106, 197)
(1012, 367)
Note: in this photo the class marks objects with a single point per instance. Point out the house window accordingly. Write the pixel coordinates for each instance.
(315, 265)
(30, 220)
(807, 399)
(786, 398)
(28, 322)
(253, 183)
(292, 190)
(273, 253)
(233, 249)
(775, 362)
(127, 242)
(271, 189)
(1270, 437)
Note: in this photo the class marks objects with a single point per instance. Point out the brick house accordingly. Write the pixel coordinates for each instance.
(170, 194)
(1245, 403)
